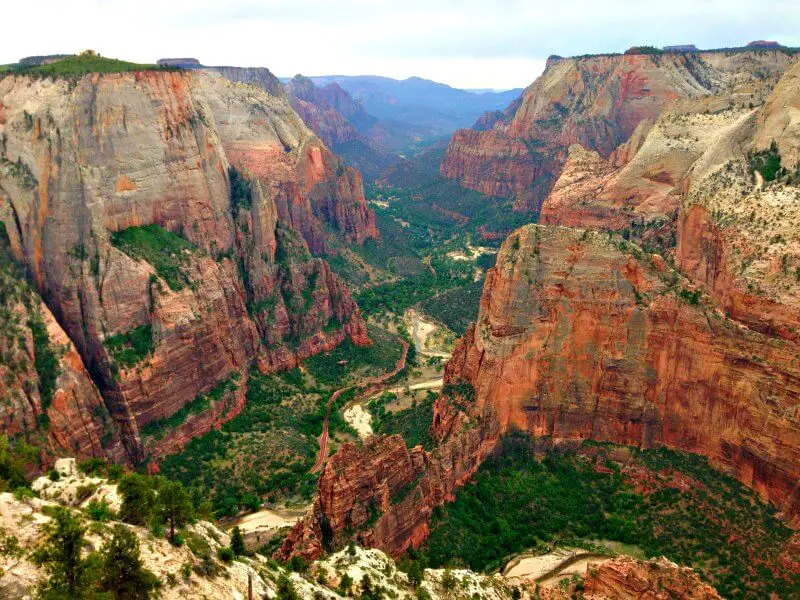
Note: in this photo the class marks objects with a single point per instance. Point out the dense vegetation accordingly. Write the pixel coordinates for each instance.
(83, 64)
(131, 347)
(167, 252)
(413, 423)
(265, 452)
(455, 308)
(767, 162)
(665, 502)
(348, 363)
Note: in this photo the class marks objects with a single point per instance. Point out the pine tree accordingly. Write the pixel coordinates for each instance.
(124, 575)
(174, 505)
(237, 542)
(70, 575)
(138, 499)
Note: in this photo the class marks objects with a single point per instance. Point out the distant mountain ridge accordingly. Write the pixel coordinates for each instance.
(420, 101)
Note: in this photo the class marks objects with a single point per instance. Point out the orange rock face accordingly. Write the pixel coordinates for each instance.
(579, 336)
(597, 102)
(578, 339)
(627, 579)
(387, 492)
(133, 149)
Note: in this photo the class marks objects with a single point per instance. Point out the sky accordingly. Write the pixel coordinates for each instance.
(497, 44)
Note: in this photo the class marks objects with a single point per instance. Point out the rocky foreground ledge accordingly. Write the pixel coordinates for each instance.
(343, 574)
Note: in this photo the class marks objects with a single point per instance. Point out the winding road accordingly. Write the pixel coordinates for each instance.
(371, 385)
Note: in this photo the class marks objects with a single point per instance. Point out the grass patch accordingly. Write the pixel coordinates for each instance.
(132, 347)
(517, 502)
(167, 252)
(347, 363)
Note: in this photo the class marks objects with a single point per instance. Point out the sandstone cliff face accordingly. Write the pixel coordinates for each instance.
(345, 126)
(578, 338)
(738, 235)
(689, 173)
(597, 102)
(81, 161)
(47, 395)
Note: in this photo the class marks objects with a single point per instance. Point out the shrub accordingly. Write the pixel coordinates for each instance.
(164, 250)
(131, 347)
(225, 554)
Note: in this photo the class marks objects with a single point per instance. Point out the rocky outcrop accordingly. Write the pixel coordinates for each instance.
(627, 579)
(387, 492)
(83, 162)
(580, 336)
(597, 102)
(344, 125)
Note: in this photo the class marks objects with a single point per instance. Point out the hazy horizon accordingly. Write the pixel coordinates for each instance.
(466, 44)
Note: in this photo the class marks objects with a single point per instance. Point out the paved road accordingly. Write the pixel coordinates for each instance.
(371, 385)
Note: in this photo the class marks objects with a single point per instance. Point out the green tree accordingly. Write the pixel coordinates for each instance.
(138, 499)
(124, 575)
(12, 463)
(346, 584)
(415, 574)
(70, 574)
(237, 542)
(286, 589)
(174, 505)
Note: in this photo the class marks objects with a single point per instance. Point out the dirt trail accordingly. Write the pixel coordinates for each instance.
(371, 386)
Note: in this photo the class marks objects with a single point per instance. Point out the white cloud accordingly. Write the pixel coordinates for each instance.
(467, 43)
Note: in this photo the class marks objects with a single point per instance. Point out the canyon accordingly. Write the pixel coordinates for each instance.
(690, 343)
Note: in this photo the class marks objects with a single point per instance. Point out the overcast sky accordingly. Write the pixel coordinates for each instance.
(466, 43)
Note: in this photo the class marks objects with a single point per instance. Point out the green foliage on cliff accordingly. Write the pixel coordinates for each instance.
(347, 363)
(199, 404)
(131, 347)
(667, 503)
(167, 252)
(46, 359)
(767, 162)
(241, 190)
(15, 289)
(83, 64)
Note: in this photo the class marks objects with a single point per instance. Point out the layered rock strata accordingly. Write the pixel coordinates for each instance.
(84, 161)
(580, 336)
(597, 102)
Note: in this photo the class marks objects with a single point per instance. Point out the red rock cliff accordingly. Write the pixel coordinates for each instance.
(597, 102)
(80, 163)
(577, 338)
